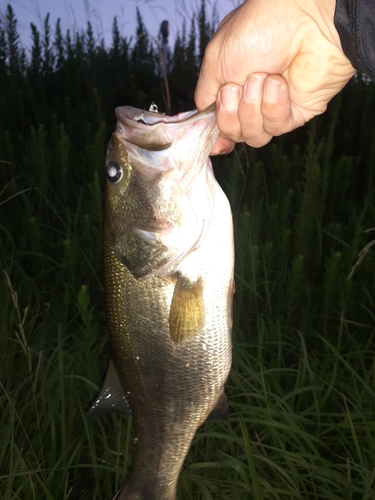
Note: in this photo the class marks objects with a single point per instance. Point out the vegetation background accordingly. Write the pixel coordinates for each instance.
(301, 390)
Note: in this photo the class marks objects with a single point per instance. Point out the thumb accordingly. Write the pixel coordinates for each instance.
(207, 86)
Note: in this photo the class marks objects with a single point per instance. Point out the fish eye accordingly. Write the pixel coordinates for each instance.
(114, 172)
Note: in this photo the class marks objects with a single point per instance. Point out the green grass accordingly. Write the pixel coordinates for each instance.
(301, 390)
(302, 386)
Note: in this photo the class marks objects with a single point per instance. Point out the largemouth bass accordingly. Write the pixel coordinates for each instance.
(168, 263)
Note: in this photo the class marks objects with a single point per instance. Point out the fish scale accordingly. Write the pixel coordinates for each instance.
(168, 289)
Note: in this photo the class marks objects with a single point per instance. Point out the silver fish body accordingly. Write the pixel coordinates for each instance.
(168, 265)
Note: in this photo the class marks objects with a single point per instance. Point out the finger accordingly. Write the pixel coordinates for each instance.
(207, 86)
(222, 146)
(249, 112)
(279, 115)
(227, 112)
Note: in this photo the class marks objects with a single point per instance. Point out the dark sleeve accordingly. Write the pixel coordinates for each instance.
(355, 24)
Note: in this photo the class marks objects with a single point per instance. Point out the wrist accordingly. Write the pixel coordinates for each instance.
(324, 15)
(355, 23)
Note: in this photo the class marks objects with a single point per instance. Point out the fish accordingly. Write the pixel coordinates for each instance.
(168, 271)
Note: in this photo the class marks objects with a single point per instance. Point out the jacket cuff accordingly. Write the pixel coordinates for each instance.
(355, 24)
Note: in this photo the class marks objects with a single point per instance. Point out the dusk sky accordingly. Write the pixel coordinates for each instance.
(74, 14)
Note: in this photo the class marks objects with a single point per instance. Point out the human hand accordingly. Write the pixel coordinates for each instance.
(271, 66)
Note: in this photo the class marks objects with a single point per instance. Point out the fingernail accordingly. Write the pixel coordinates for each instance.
(272, 90)
(229, 98)
(253, 88)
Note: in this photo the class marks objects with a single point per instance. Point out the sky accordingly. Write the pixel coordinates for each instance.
(74, 15)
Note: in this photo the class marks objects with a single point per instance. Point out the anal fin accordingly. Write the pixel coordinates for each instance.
(221, 408)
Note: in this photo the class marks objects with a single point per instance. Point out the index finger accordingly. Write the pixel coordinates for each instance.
(208, 84)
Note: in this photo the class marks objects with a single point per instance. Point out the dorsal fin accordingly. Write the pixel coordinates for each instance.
(111, 398)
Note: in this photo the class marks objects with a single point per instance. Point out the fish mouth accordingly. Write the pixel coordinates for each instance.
(151, 118)
(152, 131)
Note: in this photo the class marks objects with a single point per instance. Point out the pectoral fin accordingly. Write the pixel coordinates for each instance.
(111, 398)
(186, 316)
